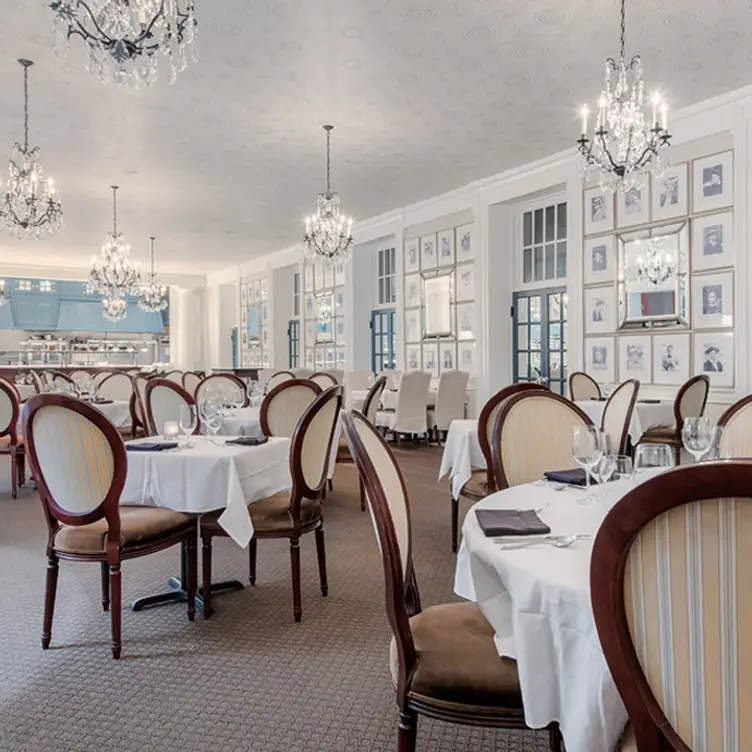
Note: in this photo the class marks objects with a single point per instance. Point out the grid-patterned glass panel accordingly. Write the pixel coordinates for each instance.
(293, 333)
(544, 244)
(383, 339)
(387, 290)
(296, 294)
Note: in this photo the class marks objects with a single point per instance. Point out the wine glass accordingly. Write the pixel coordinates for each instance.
(214, 424)
(237, 398)
(653, 457)
(207, 407)
(188, 422)
(697, 436)
(587, 449)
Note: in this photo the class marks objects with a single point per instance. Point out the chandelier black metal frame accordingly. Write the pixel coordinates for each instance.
(152, 296)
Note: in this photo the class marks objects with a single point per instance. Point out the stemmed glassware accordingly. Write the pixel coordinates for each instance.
(587, 449)
(188, 422)
(697, 436)
(653, 457)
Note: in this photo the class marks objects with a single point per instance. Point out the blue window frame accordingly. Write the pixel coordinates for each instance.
(383, 339)
(293, 336)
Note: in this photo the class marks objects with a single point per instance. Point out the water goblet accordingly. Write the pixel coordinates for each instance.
(649, 457)
(188, 422)
(587, 449)
(697, 436)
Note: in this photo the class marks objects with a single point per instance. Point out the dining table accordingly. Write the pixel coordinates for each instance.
(537, 600)
(462, 454)
(647, 414)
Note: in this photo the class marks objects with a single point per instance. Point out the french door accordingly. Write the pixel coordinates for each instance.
(540, 337)
(293, 337)
(383, 340)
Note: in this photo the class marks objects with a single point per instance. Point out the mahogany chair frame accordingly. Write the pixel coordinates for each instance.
(167, 374)
(60, 375)
(326, 375)
(587, 376)
(300, 490)
(264, 410)
(236, 380)
(151, 385)
(403, 601)
(634, 384)
(199, 375)
(109, 509)
(36, 380)
(485, 447)
(15, 448)
(675, 488)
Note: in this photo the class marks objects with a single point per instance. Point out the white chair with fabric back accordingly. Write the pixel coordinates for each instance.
(410, 417)
(11, 443)
(163, 400)
(533, 434)
(392, 378)
(232, 385)
(358, 381)
(617, 415)
(191, 380)
(100, 376)
(583, 387)
(116, 386)
(302, 373)
(175, 375)
(736, 430)
(79, 376)
(277, 378)
(337, 374)
(450, 401)
(324, 379)
(283, 406)
(37, 381)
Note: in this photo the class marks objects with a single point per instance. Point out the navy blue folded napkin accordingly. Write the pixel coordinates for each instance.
(649, 401)
(599, 399)
(574, 477)
(495, 522)
(103, 401)
(151, 446)
(249, 440)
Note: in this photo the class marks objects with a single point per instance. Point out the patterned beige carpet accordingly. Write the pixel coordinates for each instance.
(249, 678)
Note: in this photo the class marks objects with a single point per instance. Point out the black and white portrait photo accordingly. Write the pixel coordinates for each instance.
(669, 193)
(446, 247)
(635, 358)
(599, 310)
(669, 360)
(598, 209)
(712, 240)
(600, 358)
(712, 180)
(600, 258)
(412, 259)
(633, 201)
(712, 300)
(447, 357)
(713, 360)
(413, 359)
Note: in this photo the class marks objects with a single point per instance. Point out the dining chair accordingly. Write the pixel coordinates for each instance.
(163, 400)
(532, 434)
(450, 401)
(617, 416)
(689, 403)
(284, 405)
(233, 384)
(174, 375)
(289, 514)
(278, 377)
(85, 519)
(100, 376)
(190, 381)
(443, 660)
(80, 375)
(482, 481)
(323, 379)
(14, 386)
(11, 443)
(357, 381)
(392, 377)
(139, 421)
(54, 377)
(116, 386)
(37, 381)
(672, 607)
(583, 387)
(736, 429)
(410, 416)
(337, 374)
(302, 373)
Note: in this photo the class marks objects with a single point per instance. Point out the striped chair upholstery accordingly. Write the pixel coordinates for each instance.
(37, 381)
(10, 442)
(176, 376)
(533, 434)
(736, 425)
(583, 387)
(277, 378)
(316, 444)
(283, 406)
(670, 563)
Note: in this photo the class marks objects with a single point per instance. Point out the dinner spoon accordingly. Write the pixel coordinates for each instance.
(558, 541)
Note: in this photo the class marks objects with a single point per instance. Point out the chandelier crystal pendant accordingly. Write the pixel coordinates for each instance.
(31, 205)
(654, 268)
(114, 309)
(126, 38)
(328, 234)
(152, 296)
(625, 146)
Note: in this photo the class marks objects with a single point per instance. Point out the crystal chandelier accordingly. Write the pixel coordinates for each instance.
(625, 147)
(326, 236)
(31, 206)
(655, 269)
(152, 297)
(125, 38)
(114, 309)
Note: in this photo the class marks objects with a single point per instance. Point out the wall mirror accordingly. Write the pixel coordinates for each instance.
(254, 325)
(438, 296)
(653, 277)
(324, 313)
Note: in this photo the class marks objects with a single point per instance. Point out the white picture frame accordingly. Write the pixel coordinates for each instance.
(635, 358)
(713, 241)
(412, 256)
(328, 276)
(464, 282)
(412, 326)
(318, 276)
(599, 358)
(600, 310)
(308, 277)
(413, 289)
(243, 294)
(445, 248)
(309, 359)
(465, 321)
(633, 206)
(339, 301)
(599, 260)
(310, 306)
(713, 301)
(340, 330)
(265, 336)
(466, 357)
(412, 358)
(671, 359)
(431, 358)
(339, 274)
(341, 353)
(670, 193)
(713, 182)
(310, 331)
(428, 252)
(263, 289)
(463, 245)
(714, 357)
(599, 211)
(447, 355)
(264, 313)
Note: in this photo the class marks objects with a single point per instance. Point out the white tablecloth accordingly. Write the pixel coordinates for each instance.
(461, 454)
(538, 602)
(26, 390)
(388, 399)
(118, 411)
(243, 422)
(646, 415)
(209, 477)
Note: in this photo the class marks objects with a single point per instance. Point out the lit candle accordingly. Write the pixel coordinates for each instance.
(664, 116)
(349, 226)
(170, 429)
(584, 120)
(656, 102)
(601, 112)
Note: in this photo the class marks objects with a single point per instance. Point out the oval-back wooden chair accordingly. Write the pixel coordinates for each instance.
(228, 381)
(278, 377)
(285, 404)
(323, 379)
(163, 401)
(583, 387)
(191, 380)
(11, 443)
(617, 415)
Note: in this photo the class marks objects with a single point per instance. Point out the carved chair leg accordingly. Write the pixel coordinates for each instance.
(105, 575)
(49, 599)
(13, 477)
(191, 553)
(321, 554)
(331, 485)
(116, 613)
(252, 551)
(554, 741)
(21, 465)
(297, 609)
(407, 732)
(455, 522)
(206, 574)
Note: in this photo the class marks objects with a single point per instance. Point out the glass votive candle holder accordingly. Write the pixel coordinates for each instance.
(171, 429)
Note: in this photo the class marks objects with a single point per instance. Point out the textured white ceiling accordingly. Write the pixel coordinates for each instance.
(425, 96)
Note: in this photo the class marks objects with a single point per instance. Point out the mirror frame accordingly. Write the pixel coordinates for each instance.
(427, 277)
(681, 287)
(254, 340)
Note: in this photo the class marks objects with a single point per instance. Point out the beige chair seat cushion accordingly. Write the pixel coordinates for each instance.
(661, 433)
(138, 525)
(477, 486)
(343, 451)
(5, 443)
(273, 514)
(458, 661)
(628, 742)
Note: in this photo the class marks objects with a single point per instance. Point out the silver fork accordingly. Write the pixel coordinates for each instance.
(558, 541)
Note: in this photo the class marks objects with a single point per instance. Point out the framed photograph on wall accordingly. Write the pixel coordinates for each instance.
(600, 310)
(310, 332)
(328, 276)
(412, 358)
(714, 356)
(428, 252)
(465, 320)
(412, 325)
(466, 357)
(339, 274)
(265, 313)
(633, 206)
(413, 289)
(713, 182)
(635, 356)
(340, 330)
(308, 275)
(599, 211)
(318, 276)
(599, 358)
(412, 259)
(670, 193)
(431, 358)
(671, 359)
(310, 306)
(342, 358)
(713, 241)
(599, 260)
(339, 301)
(464, 243)
(448, 354)
(465, 282)
(243, 295)
(713, 301)
(309, 361)
(263, 289)
(446, 248)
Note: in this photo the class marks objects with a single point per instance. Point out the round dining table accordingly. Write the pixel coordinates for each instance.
(647, 414)
(537, 599)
